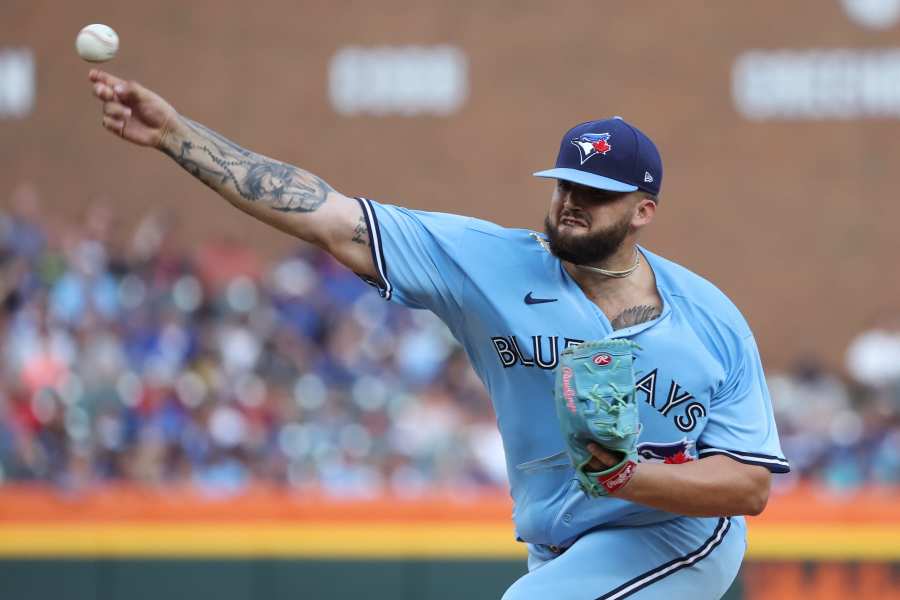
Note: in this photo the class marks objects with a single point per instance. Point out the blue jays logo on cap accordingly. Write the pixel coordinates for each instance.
(608, 154)
(592, 144)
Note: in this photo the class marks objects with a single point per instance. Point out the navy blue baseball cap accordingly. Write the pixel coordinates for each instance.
(610, 155)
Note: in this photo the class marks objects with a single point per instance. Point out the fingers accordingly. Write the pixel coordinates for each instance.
(109, 87)
(603, 459)
(104, 83)
(104, 92)
(129, 91)
(116, 110)
(114, 125)
(100, 76)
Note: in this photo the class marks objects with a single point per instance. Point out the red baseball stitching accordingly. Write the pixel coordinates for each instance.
(97, 37)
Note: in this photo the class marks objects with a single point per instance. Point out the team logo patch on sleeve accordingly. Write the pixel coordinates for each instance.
(592, 144)
(673, 453)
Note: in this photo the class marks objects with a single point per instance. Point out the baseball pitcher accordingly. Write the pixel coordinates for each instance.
(629, 392)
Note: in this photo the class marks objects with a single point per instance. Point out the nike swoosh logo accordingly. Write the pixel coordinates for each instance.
(530, 300)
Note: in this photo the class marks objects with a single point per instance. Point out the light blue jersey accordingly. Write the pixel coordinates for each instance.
(513, 307)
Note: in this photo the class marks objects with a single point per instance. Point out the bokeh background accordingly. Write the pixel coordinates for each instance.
(192, 403)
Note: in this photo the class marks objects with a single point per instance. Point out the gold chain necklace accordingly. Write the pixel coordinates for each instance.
(614, 274)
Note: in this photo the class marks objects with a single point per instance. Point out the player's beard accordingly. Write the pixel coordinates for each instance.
(587, 248)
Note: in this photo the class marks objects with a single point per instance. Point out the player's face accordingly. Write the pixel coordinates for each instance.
(586, 225)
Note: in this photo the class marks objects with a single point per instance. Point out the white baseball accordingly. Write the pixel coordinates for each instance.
(97, 43)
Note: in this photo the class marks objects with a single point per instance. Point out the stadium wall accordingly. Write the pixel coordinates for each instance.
(137, 543)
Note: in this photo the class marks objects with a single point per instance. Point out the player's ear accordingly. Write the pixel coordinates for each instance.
(644, 211)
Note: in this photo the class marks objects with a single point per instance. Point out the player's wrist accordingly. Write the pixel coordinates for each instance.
(172, 134)
(613, 480)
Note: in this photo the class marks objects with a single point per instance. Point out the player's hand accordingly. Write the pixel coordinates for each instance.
(131, 111)
(603, 459)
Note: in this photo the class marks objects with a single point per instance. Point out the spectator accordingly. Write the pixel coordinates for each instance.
(151, 365)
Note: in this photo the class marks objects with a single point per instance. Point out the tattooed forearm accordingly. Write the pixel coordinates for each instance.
(226, 167)
(361, 232)
(222, 141)
(635, 316)
(208, 176)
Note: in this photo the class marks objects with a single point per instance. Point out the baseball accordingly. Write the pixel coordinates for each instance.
(97, 43)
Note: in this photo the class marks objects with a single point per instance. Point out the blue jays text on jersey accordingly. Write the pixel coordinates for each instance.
(513, 307)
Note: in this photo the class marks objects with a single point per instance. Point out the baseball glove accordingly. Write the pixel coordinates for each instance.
(595, 403)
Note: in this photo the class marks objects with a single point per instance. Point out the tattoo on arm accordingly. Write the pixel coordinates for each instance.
(223, 165)
(361, 232)
(635, 316)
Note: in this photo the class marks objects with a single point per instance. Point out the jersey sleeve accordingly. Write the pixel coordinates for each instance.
(418, 255)
(741, 424)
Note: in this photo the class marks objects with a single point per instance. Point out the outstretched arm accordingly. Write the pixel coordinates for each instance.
(281, 195)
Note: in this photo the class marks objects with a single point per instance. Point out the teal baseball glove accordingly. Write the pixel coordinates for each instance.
(595, 403)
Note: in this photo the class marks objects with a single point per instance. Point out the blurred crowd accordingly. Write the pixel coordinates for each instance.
(845, 431)
(134, 360)
(137, 361)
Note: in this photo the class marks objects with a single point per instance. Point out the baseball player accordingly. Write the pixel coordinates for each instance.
(665, 526)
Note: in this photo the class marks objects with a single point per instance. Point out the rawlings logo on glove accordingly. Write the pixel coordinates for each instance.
(602, 359)
(595, 403)
(619, 477)
(568, 391)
